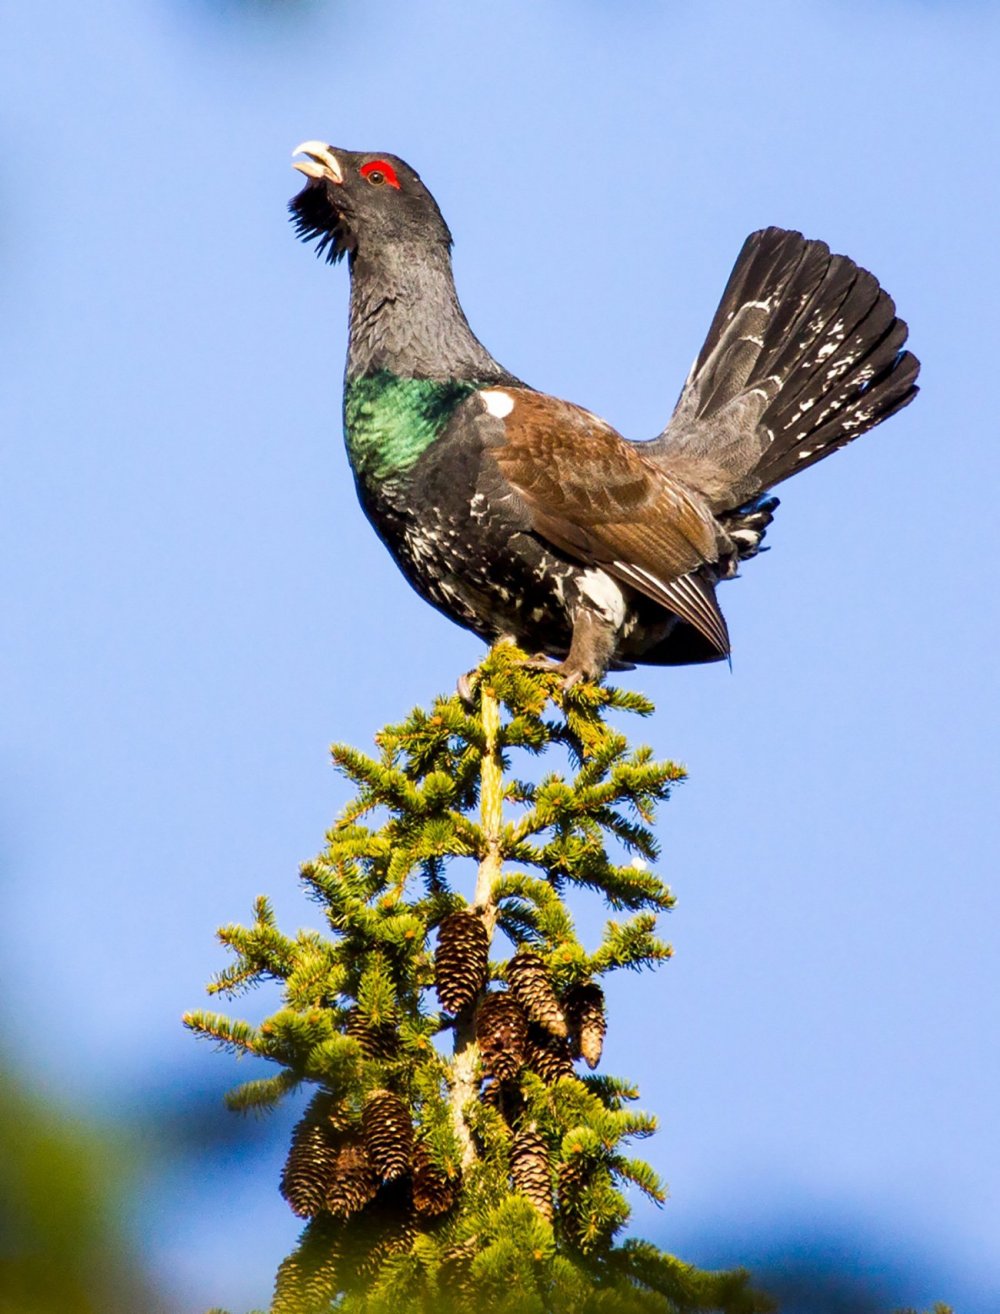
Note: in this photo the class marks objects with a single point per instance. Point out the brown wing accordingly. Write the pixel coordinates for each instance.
(596, 497)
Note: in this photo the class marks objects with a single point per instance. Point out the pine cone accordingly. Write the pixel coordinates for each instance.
(387, 1227)
(352, 1183)
(312, 1158)
(308, 1279)
(528, 977)
(433, 1190)
(571, 1180)
(388, 1134)
(529, 1169)
(585, 1012)
(394, 1236)
(548, 1056)
(502, 1033)
(461, 960)
(456, 1268)
(503, 1096)
(377, 1041)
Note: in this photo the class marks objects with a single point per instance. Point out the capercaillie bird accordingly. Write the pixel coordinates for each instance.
(522, 516)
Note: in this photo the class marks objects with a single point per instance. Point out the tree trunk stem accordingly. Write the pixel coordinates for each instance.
(464, 1083)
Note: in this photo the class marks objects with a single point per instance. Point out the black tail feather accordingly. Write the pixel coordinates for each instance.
(885, 387)
(804, 354)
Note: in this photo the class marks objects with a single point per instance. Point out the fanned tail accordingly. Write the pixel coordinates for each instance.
(805, 354)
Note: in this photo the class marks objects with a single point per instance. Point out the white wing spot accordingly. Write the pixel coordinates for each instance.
(604, 595)
(497, 403)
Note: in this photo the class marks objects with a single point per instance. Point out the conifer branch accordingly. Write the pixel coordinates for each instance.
(262, 1095)
(498, 1172)
(232, 1035)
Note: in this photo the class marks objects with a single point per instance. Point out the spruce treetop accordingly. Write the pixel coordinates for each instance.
(459, 1150)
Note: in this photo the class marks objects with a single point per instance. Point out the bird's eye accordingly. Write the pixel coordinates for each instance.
(379, 172)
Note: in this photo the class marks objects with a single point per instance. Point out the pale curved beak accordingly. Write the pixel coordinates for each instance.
(322, 163)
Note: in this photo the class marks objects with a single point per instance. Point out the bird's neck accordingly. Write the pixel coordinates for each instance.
(406, 319)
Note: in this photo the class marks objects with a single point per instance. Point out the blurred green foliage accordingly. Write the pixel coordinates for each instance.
(63, 1249)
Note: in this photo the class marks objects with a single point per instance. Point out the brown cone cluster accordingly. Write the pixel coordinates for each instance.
(585, 1012)
(379, 1041)
(312, 1159)
(528, 978)
(461, 960)
(388, 1134)
(434, 1191)
(352, 1183)
(344, 1254)
(456, 1267)
(305, 1279)
(502, 1034)
(334, 1172)
(530, 1171)
(549, 1056)
(387, 1228)
(327, 1169)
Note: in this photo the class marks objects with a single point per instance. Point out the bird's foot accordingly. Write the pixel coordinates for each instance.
(572, 673)
(540, 662)
(590, 653)
(591, 650)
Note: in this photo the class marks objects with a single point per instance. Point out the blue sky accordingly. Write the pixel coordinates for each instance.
(194, 605)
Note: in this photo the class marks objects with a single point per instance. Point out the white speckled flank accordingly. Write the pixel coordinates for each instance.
(497, 403)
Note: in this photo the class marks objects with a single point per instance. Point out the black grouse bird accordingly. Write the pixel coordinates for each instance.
(522, 516)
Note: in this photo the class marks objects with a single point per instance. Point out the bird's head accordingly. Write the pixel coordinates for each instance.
(362, 202)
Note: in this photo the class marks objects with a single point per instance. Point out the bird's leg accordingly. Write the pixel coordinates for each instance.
(590, 650)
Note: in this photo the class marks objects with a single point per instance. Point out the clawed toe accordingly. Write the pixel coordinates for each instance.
(466, 686)
(541, 663)
(572, 674)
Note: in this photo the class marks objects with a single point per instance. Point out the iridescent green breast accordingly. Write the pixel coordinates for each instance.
(389, 421)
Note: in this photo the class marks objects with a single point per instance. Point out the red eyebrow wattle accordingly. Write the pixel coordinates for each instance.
(384, 168)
